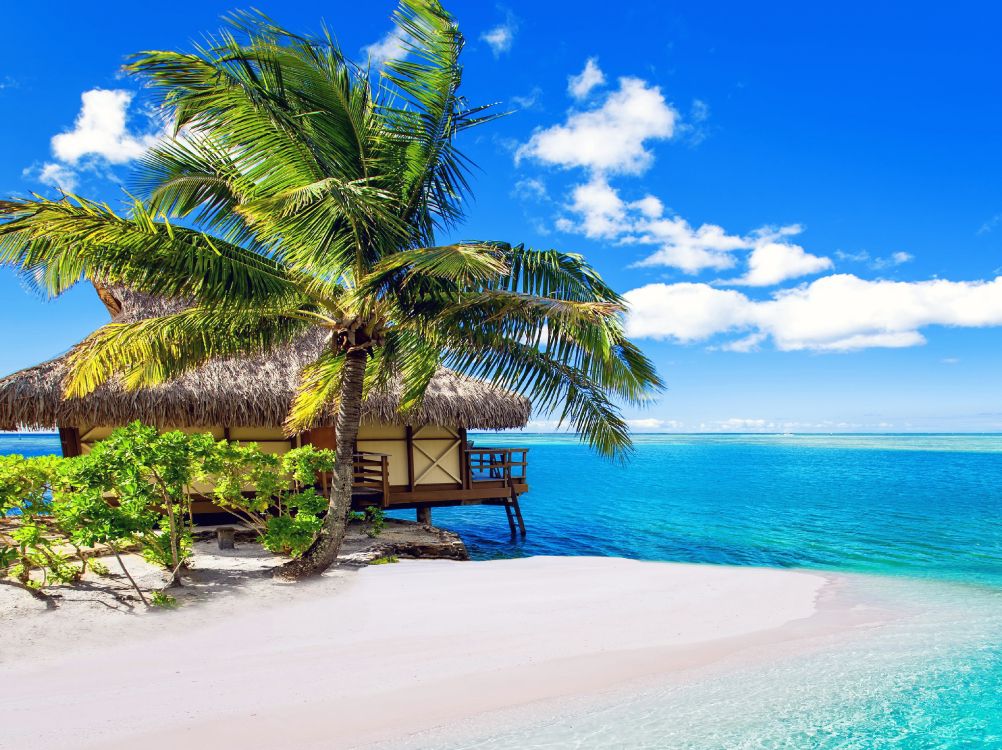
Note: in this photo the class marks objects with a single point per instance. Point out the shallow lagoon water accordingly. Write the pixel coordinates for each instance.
(921, 514)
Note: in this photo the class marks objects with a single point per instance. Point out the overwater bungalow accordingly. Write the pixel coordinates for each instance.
(419, 460)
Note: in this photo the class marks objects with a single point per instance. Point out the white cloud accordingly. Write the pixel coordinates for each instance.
(740, 424)
(652, 424)
(879, 263)
(685, 312)
(840, 312)
(500, 38)
(688, 249)
(101, 130)
(530, 100)
(581, 85)
(749, 343)
(613, 138)
(57, 175)
(700, 111)
(774, 259)
(601, 213)
(610, 138)
(101, 136)
(530, 188)
(392, 46)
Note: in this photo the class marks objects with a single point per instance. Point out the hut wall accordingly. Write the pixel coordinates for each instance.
(437, 451)
(389, 439)
(270, 440)
(437, 455)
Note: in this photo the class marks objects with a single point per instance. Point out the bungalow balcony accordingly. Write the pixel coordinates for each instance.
(487, 476)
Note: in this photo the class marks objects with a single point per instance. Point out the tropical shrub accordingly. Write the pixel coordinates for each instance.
(133, 487)
(134, 490)
(275, 495)
(33, 545)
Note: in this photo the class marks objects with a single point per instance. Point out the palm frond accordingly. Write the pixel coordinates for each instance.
(54, 244)
(155, 350)
(319, 387)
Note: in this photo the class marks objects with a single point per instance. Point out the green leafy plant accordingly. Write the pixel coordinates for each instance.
(163, 600)
(133, 490)
(388, 560)
(35, 549)
(376, 519)
(132, 487)
(274, 495)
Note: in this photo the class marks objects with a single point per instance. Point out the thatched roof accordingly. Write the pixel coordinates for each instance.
(244, 392)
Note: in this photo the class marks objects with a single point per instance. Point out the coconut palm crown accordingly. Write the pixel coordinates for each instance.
(299, 190)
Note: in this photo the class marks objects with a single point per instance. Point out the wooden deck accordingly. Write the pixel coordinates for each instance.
(490, 476)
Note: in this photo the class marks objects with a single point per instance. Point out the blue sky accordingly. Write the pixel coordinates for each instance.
(804, 206)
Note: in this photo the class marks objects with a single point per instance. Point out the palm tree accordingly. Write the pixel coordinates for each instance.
(296, 193)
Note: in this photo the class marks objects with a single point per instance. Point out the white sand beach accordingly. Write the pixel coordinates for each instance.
(361, 657)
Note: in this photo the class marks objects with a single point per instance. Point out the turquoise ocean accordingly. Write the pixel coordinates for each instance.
(915, 520)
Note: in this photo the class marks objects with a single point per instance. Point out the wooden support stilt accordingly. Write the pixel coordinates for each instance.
(518, 513)
(511, 519)
(424, 515)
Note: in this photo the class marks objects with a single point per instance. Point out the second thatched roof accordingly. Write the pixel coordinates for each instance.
(236, 392)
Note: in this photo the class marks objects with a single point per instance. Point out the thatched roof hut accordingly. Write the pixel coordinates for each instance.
(238, 392)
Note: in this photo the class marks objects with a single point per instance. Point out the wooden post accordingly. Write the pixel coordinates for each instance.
(410, 458)
(511, 519)
(518, 511)
(424, 515)
(385, 470)
(69, 439)
(225, 537)
(464, 459)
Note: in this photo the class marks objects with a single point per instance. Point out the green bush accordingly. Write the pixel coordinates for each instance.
(134, 490)
(33, 544)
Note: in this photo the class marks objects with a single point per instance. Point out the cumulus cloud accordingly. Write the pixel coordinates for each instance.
(392, 46)
(597, 210)
(101, 136)
(774, 259)
(611, 138)
(101, 130)
(686, 312)
(57, 175)
(841, 312)
(581, 85)
(500, 38)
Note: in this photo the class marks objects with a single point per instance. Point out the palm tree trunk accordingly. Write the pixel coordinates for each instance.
(324, 550)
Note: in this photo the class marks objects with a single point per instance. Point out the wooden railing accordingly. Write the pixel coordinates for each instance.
(371, 474)
(508, 465)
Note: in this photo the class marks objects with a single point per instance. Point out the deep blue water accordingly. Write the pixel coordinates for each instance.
(922, 511)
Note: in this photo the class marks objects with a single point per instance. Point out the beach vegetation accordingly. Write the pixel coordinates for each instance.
(133, 491)
(35, 550)
(299, 192)
(163, 600)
